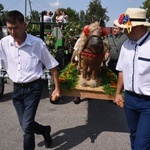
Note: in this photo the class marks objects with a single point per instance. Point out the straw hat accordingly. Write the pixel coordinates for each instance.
(132, 17)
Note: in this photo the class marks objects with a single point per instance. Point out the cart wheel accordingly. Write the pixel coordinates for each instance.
(1, 87)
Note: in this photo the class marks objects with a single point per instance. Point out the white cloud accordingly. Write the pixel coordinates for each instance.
(55, 4)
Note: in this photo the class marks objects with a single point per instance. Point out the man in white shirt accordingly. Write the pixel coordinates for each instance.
(23, 57)
(134, 75)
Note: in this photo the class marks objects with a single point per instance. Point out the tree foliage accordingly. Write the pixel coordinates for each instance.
(82, 17)
(146, 5)
(1, 8)
(35, 16)
(3, 18)
(96, 12)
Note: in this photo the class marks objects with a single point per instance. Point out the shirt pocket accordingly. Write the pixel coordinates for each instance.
(144, 65)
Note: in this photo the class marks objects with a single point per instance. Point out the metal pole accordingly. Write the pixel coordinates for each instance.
(25, 14)
(31, 9)
(42, 28)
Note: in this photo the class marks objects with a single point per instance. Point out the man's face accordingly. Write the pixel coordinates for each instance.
(131, 35)
(116, 30)
(16, 30)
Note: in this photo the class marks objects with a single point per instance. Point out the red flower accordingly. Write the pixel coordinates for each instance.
(121, 18)
(86, 30)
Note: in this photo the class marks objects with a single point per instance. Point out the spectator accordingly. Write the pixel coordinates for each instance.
(46, 17)
(59, 17)
(51, 16)
(115, 42)
(65, 16)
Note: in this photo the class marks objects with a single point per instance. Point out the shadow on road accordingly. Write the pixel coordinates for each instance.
(99, 119)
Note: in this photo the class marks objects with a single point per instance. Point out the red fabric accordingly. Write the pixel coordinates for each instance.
(91, 55)
(104, 32)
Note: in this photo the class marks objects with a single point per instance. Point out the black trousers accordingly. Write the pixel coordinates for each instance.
(112, 66)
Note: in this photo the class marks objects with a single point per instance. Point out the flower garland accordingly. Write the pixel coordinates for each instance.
(108, 81)
(68, 77)
(50, 41)
(125, 19)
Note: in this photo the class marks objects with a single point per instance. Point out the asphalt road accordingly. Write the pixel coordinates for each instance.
(90, 125)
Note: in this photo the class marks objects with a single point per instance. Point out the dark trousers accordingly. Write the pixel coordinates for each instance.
(137, 110)
(112, 66)
(26, 100)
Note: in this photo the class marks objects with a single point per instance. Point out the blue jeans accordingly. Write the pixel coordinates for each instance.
(137, 110)
(26, 100)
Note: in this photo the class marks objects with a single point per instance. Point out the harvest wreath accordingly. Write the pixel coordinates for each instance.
(68, 78)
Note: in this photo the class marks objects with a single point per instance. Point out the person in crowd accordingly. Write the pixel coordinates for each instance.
(23, 57)
(59, 17)
(134, 76)
(115, 42)
(46, 19)
(51, 16)
(49, 26)
(74, 57)
(45, 16)
(65, 16)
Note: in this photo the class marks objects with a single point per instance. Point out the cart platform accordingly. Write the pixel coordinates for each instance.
(88, 92)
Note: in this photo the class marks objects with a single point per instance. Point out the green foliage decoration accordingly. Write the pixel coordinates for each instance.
(68, 77)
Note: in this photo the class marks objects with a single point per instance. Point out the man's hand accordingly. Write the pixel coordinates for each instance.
(55, 94)
(119, 100)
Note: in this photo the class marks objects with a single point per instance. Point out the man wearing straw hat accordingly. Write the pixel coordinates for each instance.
(134, 76)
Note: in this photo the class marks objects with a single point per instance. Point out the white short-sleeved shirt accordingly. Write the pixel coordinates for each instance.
(59, 19)
(66, 19)
(76, 48)
(134, 62)
(46, 18)
(24, 63)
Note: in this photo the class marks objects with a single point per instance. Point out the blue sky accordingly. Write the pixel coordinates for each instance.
(114, 7)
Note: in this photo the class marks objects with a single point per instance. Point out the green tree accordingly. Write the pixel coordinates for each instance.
(3, 18)
(82, 17)
(146, 5)
(1, 8)
(72, 14)
(96, 12)
(34, 16)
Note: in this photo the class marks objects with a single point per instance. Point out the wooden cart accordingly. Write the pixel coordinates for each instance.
(88, 92)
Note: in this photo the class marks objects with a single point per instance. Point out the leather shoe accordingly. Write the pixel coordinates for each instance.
(47, 137)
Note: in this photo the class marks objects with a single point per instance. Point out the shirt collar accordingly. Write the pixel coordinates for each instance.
(26, 42)
(142, 38)
(118, 35)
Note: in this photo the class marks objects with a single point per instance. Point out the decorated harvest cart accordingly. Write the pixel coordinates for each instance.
(70, 84)
(69, 77)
